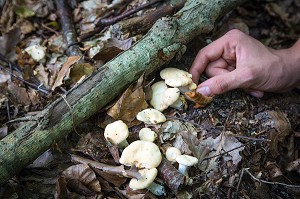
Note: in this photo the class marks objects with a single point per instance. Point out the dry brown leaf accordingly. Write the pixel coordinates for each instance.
(42, 75)
(294, 166)
(18, 94)
(85, 175)
(199, 99)
(112, 47)
(273, 169)
(112, 178)
(78, 71)
(92, 145)
(64, 71)
(129, 104)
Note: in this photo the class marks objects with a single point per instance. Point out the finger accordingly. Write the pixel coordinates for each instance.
(210, 53)
(220, 84)
(217, 67)
(255, 93)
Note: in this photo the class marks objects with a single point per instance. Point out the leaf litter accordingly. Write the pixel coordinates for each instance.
(232, 133)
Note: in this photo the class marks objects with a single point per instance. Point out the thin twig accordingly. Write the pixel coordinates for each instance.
(107, 22)
(267, 182)
(238, 185)
(36, 87)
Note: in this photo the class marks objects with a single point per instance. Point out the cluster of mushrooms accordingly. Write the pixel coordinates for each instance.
(143, 153)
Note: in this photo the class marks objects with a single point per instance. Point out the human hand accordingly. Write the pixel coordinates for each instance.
(237, 60)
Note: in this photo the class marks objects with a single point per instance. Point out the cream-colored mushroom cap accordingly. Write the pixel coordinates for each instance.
(147, 177)
(151, 116)
(186, 160)
(158, 90)
(147, 134)
(162, 96)
(175, 77)
(172, 153)
(116, 132)
(142, 154)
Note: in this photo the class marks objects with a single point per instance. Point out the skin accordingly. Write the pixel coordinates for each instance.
(237, 60)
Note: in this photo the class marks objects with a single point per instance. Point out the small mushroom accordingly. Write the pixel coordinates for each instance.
(185, 161)
(151, 116)
(116, 133)
(142, 154)
(175, 77)
(37, 52)
(172, 153)
(162, 96)
(147, 134)
(178, 78)
(146, 181)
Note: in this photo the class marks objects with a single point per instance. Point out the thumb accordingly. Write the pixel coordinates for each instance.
(220, 84)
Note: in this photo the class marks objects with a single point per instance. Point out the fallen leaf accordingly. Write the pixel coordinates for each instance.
(64, 71)
(112, 178)
(279, 128)
(78, 71)
(92, 145)
(294, 166)
(85, 175)
(42, 75)
(129, 104)
(208, 151)
(273, 169)
(24, 11)
(9, 41)
(4, 76)
(43, 160)
(199, 99)
(112, 47)
(18, 94)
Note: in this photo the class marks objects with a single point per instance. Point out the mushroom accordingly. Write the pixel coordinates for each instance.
(146, 181)
(178, 78)
(116, 133)
(172, 153)
(36, 52)
(147, 134)
(162, 96)
(142, 154)
(151, 116)
(185, 161)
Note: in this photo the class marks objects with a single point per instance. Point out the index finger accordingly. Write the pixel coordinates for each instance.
(210, 53)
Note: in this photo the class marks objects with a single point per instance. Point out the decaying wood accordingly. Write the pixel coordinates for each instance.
(107, 22)
(141, 24)
(166, 38)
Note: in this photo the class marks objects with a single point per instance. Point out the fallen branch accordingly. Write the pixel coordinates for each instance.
(110, 21)
(141, 24)
(167, 37)
(68, 29)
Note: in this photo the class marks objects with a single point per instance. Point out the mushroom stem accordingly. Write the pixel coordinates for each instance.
(123, 144)
(157, 189)
(183, 169)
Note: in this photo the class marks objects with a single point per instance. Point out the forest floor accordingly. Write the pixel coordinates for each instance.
(246, 147)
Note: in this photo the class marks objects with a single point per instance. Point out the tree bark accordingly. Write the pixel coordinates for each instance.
(166, 38)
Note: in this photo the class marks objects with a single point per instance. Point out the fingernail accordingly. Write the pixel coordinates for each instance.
(204, 90)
